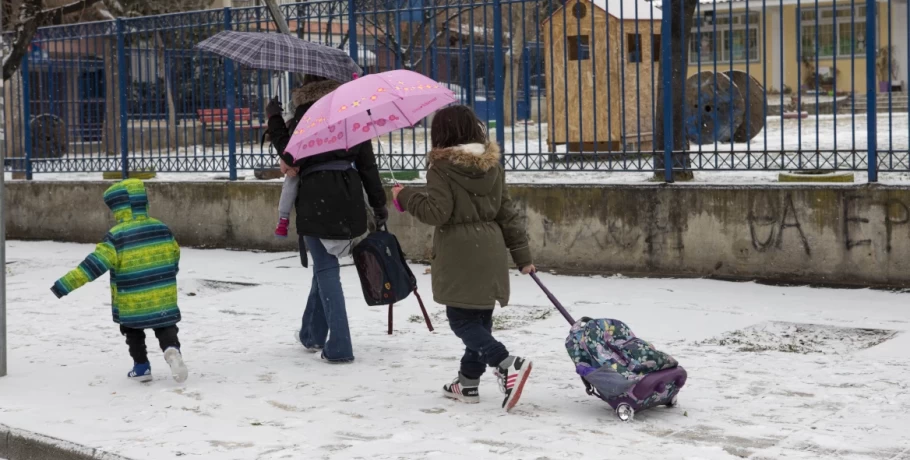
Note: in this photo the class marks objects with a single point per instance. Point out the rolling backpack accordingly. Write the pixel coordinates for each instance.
(618, 367)
(622, 369)
(385, 276)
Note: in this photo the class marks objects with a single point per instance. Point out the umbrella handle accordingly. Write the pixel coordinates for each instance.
(389, 164)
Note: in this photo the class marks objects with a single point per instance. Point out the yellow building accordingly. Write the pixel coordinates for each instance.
(783, 43)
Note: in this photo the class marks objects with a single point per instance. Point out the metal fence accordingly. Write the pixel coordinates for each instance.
(572, 85)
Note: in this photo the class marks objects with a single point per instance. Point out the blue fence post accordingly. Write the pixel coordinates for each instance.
(26, 116)
(871, 91)
(352, 32)
(526, 80)
(229, 99)
(121, 87)
(499, 75)
(666, 70)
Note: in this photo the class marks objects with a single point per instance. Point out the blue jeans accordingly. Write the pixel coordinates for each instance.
(325, 320)
(475, 329)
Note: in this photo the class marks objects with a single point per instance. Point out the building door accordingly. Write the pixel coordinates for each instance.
(91, 105)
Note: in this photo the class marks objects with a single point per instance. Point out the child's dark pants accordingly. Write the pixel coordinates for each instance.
(475, 329)
(135, 339)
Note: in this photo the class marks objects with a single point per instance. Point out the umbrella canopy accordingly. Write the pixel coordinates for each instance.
(365, 108)
(283, 53)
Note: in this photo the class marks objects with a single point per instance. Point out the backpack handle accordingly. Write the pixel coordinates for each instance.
(556, 303)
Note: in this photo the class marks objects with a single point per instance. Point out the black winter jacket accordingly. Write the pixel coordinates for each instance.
(330, 204)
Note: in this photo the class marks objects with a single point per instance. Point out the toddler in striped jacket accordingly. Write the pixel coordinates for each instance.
(142, 257)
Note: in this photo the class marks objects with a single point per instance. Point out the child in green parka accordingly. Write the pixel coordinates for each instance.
(466, 199)
(143, 258)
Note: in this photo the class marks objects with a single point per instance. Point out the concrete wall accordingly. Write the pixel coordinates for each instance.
(857, 235)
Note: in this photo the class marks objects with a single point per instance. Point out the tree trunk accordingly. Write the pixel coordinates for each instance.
(169, 91)
(521, 20)
(31, 16)
(681, 12)
(512, 83)
(25, 30)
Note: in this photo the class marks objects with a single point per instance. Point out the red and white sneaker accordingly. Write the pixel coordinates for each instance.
(462, 389)
(512, 374)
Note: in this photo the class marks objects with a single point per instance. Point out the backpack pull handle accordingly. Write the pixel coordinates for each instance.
(556, 303)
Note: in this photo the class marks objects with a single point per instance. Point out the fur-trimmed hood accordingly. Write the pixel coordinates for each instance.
(473, 156)
(312, 92)
(475, 167)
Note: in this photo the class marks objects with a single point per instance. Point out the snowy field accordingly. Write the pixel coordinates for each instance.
(528, 161)
(774, 372)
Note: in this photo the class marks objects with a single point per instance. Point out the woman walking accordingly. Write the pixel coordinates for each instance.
(331, 215)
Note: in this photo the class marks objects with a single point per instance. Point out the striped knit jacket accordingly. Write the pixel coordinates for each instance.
(142, 256)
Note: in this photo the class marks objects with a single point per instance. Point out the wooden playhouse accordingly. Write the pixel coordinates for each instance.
(602, 61)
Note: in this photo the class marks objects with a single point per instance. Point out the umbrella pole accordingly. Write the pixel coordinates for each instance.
(282, 27)
(389, 164)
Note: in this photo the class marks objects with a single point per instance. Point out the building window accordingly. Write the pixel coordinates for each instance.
(829, 32)
(655, 48)
(633, 45)
(726, 38)
(579, 50)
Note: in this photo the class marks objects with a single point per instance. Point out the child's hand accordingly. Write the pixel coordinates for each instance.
(528, 269)
(287, 170)
(396, 190)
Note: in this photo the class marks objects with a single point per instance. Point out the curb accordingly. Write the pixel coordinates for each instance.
(16, 444)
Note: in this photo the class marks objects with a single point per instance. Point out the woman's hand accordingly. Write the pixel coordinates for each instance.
(528, 269)
(273, 108)
(396, 190)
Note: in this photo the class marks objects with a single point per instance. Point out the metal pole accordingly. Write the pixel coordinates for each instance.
(871, 93)
(282, 27)
(666, 73)
(121, 87)
(229, 93)
(352, 33)
(2, 228)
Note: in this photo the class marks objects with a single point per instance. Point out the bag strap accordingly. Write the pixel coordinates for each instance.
(390, 317)
(338, 165)
(423, 310)
(589, 389)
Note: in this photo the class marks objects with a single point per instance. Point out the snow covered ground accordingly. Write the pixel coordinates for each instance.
(773, 371)
(528, 161)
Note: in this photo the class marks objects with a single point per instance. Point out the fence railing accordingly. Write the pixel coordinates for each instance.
(575, 85)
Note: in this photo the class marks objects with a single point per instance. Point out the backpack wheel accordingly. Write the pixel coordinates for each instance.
(625, 412)
(672, 402)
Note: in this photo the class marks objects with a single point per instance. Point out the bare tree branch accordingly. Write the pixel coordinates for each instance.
(390, 41)
(439, 34)
(31, 16)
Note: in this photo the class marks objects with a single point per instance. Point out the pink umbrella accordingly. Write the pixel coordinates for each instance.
(366, 108)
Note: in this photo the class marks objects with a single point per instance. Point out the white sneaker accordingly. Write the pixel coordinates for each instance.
(512, 379)
(463, 390)
(178, 368)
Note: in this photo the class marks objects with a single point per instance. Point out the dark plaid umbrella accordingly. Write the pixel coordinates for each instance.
(283, 53)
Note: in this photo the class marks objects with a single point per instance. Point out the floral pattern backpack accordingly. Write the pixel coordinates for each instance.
(609, 357)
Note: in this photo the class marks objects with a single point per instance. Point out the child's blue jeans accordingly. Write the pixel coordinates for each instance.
(475, 329)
